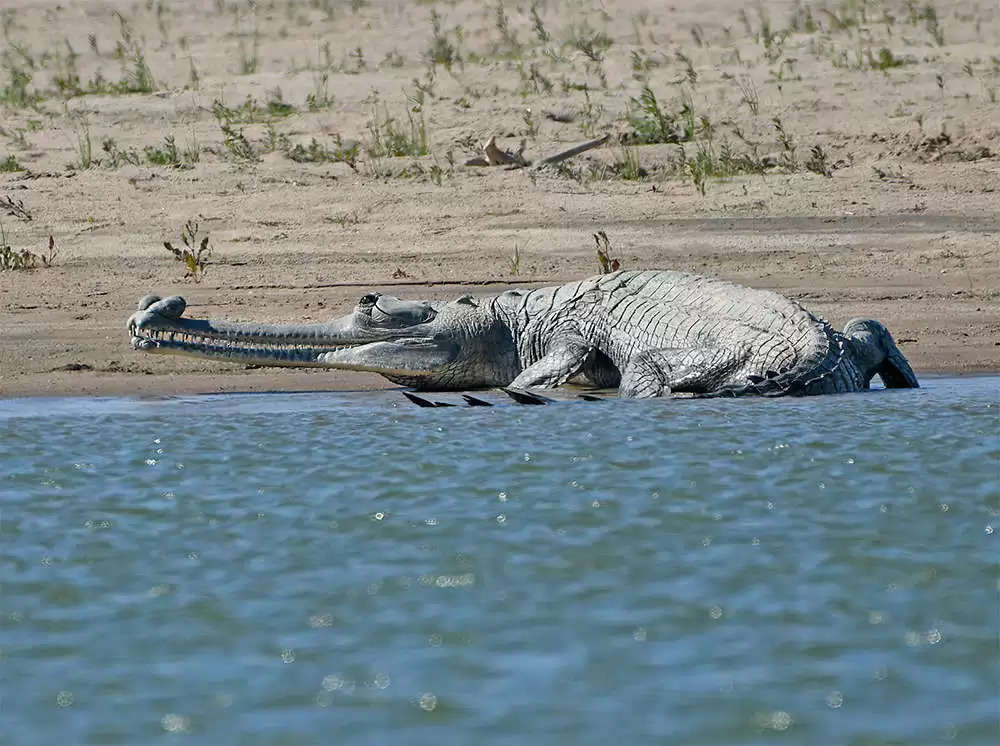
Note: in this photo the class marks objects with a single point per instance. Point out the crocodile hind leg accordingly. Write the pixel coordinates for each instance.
(659, 372)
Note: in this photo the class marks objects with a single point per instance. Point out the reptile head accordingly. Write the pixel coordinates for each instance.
(425, 344)
(875, 352)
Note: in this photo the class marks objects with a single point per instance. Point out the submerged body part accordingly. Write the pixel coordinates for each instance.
(648, 333)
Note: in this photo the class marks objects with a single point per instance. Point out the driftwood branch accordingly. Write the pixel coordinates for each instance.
(493, 155)
(559, 157)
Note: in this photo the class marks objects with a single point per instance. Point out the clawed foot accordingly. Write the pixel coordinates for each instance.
(523, 396)
(422, 402)
(520, 396)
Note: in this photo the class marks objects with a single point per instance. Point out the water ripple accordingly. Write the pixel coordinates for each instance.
(337, 567)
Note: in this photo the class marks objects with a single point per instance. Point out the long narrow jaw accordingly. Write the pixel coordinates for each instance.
(158, 328)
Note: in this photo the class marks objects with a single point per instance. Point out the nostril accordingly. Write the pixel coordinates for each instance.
(171, 307)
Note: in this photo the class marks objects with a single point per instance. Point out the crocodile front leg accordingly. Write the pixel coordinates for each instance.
(659, 372)
(557, 366)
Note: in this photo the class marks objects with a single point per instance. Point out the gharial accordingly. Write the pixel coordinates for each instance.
(648, 333)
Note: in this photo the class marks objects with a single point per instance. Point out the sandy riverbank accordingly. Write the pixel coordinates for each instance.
(905, 227)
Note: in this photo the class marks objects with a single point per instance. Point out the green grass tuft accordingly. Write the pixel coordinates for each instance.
(652, 124)
(10, 164)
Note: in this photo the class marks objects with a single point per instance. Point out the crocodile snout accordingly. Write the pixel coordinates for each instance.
(150, 307)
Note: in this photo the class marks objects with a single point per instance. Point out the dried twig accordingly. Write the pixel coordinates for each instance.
(15, 208)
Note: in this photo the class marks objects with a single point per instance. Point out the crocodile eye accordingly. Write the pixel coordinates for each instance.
(368, 300)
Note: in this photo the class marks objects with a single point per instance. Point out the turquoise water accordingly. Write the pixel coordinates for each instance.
(348, 568)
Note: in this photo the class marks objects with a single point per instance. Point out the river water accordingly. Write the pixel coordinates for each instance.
(347, 568)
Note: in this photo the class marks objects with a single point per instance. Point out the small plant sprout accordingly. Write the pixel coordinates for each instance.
(317, 152)
(652, 123)
(606, 263)
(320, 97)
(818, 162)
(346, 219)
(16, 94)
(515, 261)
(788, 159)
(10, 164)
(689, 72)
(165, 156)
(237, 144)
(194, 255)
(13, 260)
(696, 169)
(502, 23)
(276, 104)
(249, 59)
(536, 23)
(592, 45)
(441, 51)
(136, 75)
(929, 14)
(885, 60)
(84, 147)
(358, 55)
(392, 139)
(750, 96)
(629, 168)
(590, 115)
(117, 157)
(192, 152)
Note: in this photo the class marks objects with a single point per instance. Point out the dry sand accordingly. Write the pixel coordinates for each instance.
(905, 230)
